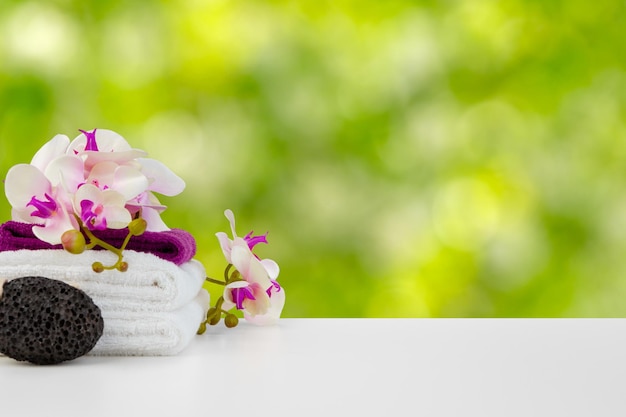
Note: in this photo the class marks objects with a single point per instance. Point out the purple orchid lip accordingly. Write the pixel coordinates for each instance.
(90, 217)
(44, 209)
(275, 285)
(252, 241)
(240, 294)
(91, 144)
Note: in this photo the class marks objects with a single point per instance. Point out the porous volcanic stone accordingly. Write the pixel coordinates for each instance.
(45, 321)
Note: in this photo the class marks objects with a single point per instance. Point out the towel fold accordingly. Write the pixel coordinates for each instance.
(175, 245)
(150, 283)
(151, 333)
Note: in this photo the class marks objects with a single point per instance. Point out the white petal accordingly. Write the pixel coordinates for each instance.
(225, 244)
(51, 150)
(24, 181)
(93, 157)
(271, 267)
(112, 198)
(106, 140)
(273, 313)
(231, 218)
(103, 173)
(153, 219)
(162, 179)
(109, 140)
(130, 182)
(54, 227)
(116, 217)
(66, 170)
(87, 192)
(248, 265)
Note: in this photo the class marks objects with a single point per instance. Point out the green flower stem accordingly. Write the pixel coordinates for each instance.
(226, 271)
(215, 281)
(95, 241)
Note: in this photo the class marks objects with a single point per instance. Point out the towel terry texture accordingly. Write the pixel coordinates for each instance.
(151, 333)
(154, 308)
(175, 245)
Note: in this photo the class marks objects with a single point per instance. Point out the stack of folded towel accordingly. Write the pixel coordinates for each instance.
(154, 308)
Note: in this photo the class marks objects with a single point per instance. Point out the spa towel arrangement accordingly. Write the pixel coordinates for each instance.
(153, 308)
(88, 266)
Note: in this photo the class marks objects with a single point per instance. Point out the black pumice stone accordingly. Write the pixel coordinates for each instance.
(46, 321)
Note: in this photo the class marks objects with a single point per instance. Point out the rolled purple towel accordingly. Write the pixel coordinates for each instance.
(175, 245)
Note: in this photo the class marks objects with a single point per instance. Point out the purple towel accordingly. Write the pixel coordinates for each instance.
(176, 245)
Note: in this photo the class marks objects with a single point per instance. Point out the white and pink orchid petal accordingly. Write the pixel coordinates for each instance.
(92, 157)
(87, 192)
(112, 198)
(271, 267)
(146, 199)
(116, 217)
(129, 182)
(248, 265)
(23, 215)
(231, 219)
(261, 303)
(23, 181)
(228, 295)
(106, 141)
(225, 244)
(54, 148)
(162, 179)
(54, 227)
(273, 312)
(102, 175)
(153, 220)
(66, 170)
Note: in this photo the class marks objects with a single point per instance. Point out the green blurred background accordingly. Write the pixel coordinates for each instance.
(409, 159)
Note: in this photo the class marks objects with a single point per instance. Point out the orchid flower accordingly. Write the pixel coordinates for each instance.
(102, 145)
(99, 209)
(255, 291)
(35, 200)
(226, 244)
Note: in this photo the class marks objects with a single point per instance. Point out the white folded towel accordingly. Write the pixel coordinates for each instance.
(151, 333)
(150, 283)
(154, 308)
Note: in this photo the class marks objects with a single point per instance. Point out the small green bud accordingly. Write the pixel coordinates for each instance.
(210, 313)
(137, 227)
(73, 241)
(122, 267)
(202, 328)
(215, 319)
(97, 267)
(231, 320)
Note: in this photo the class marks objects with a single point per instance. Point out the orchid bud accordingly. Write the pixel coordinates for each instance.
(231, 320)
(122, 267)
(73, 241)
(212, 311)
(215, 319)
(137, 226)
(97, 267)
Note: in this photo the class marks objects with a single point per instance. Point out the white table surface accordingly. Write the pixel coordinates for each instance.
(378, 367)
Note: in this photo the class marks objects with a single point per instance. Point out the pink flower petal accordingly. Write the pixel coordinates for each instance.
(273, 312)
(271, 267)
(24, 181)
(153, 219)
(225, 244)
(54, 148)
(248, 265)
(162, 179)
(129, 182)
(66, 170)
